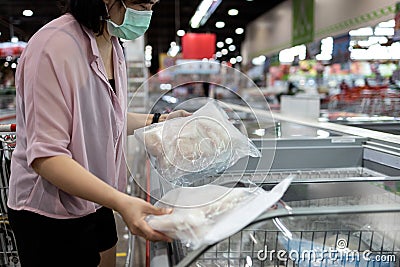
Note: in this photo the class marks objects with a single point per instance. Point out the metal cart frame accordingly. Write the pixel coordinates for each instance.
(8, 245)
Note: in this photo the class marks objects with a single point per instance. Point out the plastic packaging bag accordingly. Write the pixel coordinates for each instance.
(207, 214)
(202, 144)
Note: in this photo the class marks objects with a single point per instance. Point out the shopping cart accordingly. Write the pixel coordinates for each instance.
(355, 218)
(374, 101)
(8, 247)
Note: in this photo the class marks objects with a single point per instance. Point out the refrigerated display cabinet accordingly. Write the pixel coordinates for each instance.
(346, 187)
(356, 218)
(314, 215)
(391, 126)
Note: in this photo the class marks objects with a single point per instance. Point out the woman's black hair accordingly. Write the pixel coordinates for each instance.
(89, 13)
(92, 13)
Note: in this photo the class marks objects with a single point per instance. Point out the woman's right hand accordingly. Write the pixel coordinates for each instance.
(71, 177)
(134, 211)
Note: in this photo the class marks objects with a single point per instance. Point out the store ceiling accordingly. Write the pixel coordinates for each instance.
(165, 21)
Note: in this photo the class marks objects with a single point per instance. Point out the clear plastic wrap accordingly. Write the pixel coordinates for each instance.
(207, 214)
(187, 148)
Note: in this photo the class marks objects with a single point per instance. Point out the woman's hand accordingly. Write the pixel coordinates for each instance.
(71, 177)
(174, 114)
(134, 211)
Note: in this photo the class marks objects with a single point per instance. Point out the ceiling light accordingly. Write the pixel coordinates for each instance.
(232, 48)
(239, 59)
(220, 24)
(259, 60)
(383, 40)
(203, 12)
(367, 31)
(228, 40)
(388, 24)
(326, 49)
(14, 39)
(373, 40)
(224, 51)
(233, 12)
(288, 55)
(384, 31)
(232, 61)
(180, 33)
(218, 54)
(173, 51)
(220, 44)
(239, 31)
(323, 57)
(27, 13)
(375, 52)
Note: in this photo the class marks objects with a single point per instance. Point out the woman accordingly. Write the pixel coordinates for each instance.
(68, 168)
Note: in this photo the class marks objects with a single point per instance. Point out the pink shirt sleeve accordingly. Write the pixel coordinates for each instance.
(47, 103)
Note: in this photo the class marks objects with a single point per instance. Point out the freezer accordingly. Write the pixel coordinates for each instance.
(358, 219)
(346, 188)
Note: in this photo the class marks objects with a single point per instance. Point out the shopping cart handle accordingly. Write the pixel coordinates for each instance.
(8, 127)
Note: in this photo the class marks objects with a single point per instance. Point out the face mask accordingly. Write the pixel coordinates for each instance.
(135, 24)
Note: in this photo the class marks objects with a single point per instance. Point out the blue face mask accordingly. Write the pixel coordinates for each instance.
(135, 24)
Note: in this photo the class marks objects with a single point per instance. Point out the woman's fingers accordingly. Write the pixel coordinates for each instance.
(150, 209)
(148, 233)
(178, 113)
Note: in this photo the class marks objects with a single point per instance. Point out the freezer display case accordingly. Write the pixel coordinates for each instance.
(348, 212)
(392, 127)
(344, 197)
(383, 124)
(291, 146)
(316, 224)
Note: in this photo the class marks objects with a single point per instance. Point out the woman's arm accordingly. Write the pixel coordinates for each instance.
(137, 120)
(71, 177)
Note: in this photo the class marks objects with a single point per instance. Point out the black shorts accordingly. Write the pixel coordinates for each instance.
(44, 241)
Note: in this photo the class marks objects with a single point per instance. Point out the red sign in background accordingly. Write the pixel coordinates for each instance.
(198, 45)
(11, 49)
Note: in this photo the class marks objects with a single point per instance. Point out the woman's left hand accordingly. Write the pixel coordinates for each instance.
(174, 114)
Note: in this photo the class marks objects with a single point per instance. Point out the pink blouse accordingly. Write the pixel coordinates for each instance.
(66, 106)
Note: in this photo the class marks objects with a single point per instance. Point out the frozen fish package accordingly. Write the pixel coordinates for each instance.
(207, 214)
(188, 148)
